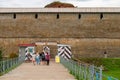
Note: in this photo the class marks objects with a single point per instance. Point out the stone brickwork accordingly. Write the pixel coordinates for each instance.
(80, 47)
(68, 25)
(89, 34)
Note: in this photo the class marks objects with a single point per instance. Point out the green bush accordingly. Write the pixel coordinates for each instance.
(13, 55)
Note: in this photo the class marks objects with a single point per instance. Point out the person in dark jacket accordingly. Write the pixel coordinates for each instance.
(42, 55)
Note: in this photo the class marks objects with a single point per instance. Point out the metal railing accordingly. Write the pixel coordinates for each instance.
(84, 71)
(105, 77)
(9, 64)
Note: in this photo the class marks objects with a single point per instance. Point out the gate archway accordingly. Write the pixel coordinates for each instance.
(51, 45)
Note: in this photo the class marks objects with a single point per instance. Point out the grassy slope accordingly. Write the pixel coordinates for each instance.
(111, 66)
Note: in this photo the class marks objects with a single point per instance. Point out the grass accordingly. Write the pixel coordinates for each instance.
(111, 66)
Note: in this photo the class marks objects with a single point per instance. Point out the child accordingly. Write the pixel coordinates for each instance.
(37, 59)
(33, 58)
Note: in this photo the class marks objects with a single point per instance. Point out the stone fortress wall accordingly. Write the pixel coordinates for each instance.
(88, 33)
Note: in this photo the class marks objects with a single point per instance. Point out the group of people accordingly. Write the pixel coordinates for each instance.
(41, 58)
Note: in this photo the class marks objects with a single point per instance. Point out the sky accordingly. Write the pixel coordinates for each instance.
(42, 3)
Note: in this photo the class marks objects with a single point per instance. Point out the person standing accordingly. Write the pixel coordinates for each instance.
(33, 58)
(43, 57)
(105, 54)
(48, 58)
(37, 59)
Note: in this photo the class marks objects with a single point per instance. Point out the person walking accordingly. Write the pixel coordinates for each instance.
(37, 59)
(33, 58)
(43, 57)
(48, 58)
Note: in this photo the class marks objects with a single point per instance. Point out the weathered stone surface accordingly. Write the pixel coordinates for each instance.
(81, 47)
(68, 25)
(89, 36)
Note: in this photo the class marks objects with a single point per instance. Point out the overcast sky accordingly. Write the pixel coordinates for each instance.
(42, 3)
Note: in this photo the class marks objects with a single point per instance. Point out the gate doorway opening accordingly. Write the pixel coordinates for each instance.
(27, 50)
(50, 46)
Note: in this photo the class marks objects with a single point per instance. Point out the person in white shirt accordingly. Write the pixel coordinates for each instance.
(33, 58)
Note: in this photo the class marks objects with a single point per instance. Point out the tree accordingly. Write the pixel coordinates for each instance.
(58, 4)
(1, 54)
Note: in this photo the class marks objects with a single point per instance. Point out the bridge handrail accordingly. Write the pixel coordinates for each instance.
(105, 77)
(84, 71)
(7, 65)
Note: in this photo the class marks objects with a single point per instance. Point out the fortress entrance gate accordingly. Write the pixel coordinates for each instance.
(26, 50)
